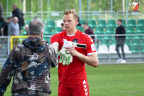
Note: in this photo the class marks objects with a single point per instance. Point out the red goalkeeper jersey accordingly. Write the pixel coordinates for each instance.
(76, 70)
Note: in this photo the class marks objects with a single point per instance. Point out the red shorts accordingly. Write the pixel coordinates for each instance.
(81, 88)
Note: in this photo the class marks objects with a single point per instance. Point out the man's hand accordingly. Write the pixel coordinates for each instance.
(90, 60)
(72, 51)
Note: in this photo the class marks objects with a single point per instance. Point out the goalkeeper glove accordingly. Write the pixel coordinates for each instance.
(65, 58)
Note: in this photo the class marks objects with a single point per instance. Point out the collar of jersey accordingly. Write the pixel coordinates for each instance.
(73, 34)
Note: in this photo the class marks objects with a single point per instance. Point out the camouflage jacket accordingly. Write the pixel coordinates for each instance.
(29, 64)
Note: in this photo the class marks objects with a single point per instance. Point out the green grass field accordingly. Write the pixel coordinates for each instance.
(108, 80)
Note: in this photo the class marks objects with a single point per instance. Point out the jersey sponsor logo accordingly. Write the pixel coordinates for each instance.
(93, 47)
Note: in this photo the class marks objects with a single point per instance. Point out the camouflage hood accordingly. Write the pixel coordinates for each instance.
(36, 44)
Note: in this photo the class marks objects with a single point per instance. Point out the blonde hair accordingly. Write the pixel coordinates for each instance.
(71, 12)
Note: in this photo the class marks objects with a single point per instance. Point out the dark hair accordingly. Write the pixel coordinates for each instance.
(120, 20)
(85, 24)
(2, 19)
(35, 17)
(14, 5)
(62, 24)
(9, 18)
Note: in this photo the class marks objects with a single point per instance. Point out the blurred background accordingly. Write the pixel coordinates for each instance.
(100, 15)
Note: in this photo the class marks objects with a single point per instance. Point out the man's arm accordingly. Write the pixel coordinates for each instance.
(9, 30)
(7, 72)
(2, 33)
(2, 29)
(55, 46)
(123, 30)
(91, 60)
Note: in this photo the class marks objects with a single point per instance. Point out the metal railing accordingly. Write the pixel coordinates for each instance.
(105, 46)
(131, 15)
(4, 48)
(7, 14)
(29, 15)
(133, 48)
(50, 15)
(86, 15)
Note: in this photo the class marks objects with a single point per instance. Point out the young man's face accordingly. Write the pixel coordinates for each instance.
(14, 7)
(69, 22)
(85, 26)
(118, 22)
(9, 20)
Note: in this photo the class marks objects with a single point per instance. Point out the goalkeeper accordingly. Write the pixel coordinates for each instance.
(75, 49)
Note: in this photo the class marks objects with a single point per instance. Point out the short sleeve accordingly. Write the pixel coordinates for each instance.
(90, 46)
(55, 38)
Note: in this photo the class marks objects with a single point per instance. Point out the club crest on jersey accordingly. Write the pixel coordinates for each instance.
(75, 40)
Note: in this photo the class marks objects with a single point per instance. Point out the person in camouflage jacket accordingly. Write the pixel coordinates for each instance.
(29, 64)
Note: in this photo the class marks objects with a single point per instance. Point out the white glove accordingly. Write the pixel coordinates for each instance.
(65, 58)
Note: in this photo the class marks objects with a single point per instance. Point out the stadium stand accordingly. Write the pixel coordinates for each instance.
(57, 29)
(123, 22)
(133, 44)
(129, 42)
(50, 23)
(132, 22)
(135, 49)
(82, 21)
(138, 37)
(92, 23)
(112, 49)
(99, 30)
(80, 28)
(23, 33)
(137, 42)
(103, 49)
(101, 23)
(129, 30)
(139, 30)
(28, 21)
(140, 22)
(105, 42)
(111, 23)
(48, 31)
(109, 30)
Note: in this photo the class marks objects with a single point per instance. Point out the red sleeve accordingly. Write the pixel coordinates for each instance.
(55, 38)
(90, 46)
